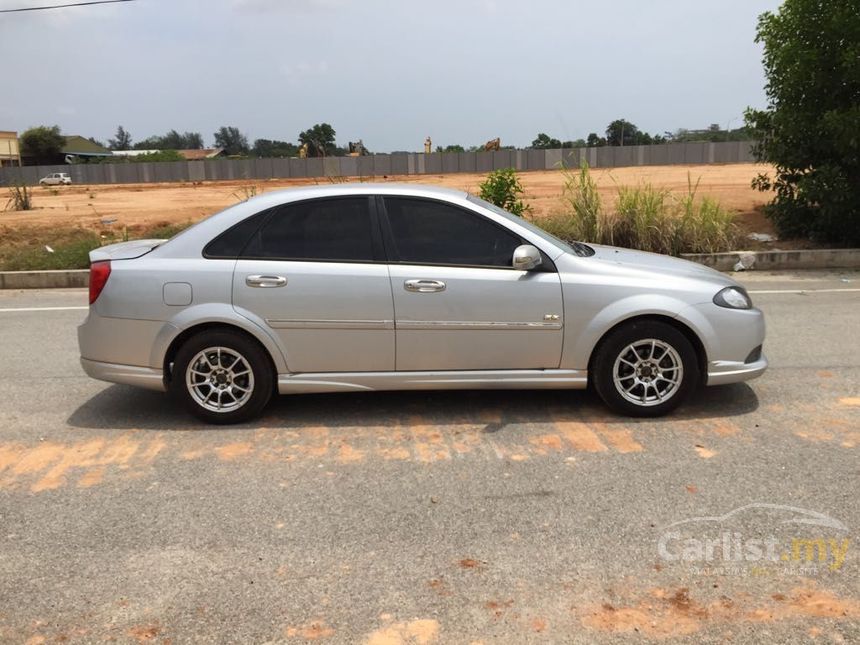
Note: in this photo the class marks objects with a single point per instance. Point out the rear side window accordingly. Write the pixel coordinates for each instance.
(230, 244)
(431, 232)
(320, 229)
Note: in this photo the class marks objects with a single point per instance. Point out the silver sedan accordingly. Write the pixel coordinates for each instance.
(388, 287)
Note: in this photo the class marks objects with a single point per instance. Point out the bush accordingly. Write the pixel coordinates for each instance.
(19, 197)
(503, 188)
(645, 217)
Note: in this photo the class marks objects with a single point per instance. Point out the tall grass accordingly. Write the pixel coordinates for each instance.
(645, 217)
(19, 197)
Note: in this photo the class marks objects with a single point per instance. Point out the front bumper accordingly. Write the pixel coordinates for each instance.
(145, 377)
(723, 372)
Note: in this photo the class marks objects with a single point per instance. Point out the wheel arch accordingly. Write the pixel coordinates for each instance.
(215, 325)
(689, 333)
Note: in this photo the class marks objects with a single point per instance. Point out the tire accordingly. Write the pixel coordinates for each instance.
(222, 377)
(646, 387)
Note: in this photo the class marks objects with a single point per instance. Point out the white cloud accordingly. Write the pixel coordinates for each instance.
(304, 69)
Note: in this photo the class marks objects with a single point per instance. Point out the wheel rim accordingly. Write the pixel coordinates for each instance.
(648, 372)
(220, 379)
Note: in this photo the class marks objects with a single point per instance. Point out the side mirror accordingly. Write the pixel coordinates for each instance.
(526, 257)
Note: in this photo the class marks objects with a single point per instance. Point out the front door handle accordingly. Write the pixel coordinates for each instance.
(265, 281)
(424, 286)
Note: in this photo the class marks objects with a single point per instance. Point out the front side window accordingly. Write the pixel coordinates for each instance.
(319, 229)
(431, 232)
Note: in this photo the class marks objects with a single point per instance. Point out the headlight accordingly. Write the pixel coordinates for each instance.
(733, 298)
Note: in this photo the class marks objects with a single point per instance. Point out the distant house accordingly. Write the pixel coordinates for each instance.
(202, 153)
(188, 155)
(78, 148)
(10, 153)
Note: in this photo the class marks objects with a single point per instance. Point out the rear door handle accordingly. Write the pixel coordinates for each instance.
(265, 281)
(424, 286)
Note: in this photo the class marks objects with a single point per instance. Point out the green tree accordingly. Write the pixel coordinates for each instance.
(543, 142)
(622, 133)
(173, 140)
(274, 148)
(320, 140)
(43, 143)
(809, 129)
(595, 141)
(121, 140)
(232, 140)
(451, 148)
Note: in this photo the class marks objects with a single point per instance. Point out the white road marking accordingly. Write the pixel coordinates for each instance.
(13, 309)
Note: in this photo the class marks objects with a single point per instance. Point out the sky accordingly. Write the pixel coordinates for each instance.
(385, 71)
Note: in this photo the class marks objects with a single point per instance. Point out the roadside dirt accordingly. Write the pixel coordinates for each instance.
(146, 205)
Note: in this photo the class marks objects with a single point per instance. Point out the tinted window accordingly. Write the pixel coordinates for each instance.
(231, 242)
(429, 232)
(320, 229)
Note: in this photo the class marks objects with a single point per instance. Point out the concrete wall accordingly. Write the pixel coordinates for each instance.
(384, 165)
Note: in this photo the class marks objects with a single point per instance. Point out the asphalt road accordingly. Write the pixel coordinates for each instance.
(435, 517)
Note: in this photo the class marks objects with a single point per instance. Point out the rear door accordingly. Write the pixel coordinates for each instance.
(459, 303)
(314, 273)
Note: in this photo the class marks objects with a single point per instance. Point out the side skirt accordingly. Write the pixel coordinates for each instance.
(448, 380)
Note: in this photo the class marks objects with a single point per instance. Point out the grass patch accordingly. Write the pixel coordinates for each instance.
(41, 248)
(645, 217)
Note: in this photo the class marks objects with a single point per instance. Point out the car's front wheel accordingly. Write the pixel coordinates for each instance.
(222, 377)
(645, 368)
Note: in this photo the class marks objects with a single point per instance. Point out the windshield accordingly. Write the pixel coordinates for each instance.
(577, 248)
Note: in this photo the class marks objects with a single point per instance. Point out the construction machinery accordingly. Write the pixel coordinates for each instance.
(493, 145)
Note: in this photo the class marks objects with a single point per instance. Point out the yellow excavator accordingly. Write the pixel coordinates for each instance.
(493, 145)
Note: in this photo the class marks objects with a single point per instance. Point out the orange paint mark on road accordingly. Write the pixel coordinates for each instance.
(724, 427)
(545, 442)
(318, 445)
(580, 436)
(92, 477)
(37, 459)
(153, 449)
(120, 451)
(418, 632)
(346, 454)
(78, 456)
(620, 439)
(851, 401)
(312, 631)
(429, 442)
(235, 450)
(144, 633)
(10, 455)
(824, 374)
(705, 453)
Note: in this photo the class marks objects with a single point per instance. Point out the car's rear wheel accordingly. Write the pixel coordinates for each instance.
(222, 377)
(646, 368)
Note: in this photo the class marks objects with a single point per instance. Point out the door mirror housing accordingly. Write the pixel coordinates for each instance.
(527, 257)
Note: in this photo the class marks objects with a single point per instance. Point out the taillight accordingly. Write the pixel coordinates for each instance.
(99, 274)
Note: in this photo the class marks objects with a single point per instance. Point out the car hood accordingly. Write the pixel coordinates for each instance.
(641, 261)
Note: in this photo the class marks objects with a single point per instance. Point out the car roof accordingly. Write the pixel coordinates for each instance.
(357, 188)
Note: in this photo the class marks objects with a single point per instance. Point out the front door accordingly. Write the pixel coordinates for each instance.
(458, 302)
(314, 273)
